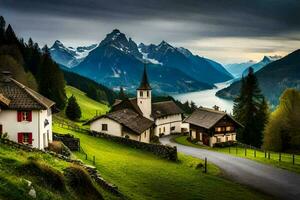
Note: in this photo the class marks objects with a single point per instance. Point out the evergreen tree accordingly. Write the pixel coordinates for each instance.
(282, 132)
(2, 30)
(122, 95)
(193, 106)
(10, 36)
(73, 110)
(250, 109)
(51, 80)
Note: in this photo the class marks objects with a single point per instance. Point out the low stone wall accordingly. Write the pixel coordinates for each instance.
(72, 143)
(90, 169)
(163, 151)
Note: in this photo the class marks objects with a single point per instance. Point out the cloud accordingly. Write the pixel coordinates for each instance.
(177, 21)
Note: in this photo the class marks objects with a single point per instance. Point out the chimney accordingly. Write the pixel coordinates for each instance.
(6, 76)
(215, 107)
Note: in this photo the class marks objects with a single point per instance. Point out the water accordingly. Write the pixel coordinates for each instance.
(207, 98)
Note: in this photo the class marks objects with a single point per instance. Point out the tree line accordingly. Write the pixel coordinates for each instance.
(31, 65)
(278, 130)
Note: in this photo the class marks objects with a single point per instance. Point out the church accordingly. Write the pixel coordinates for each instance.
(139, 118)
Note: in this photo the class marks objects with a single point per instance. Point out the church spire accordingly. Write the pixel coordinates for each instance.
(144, 83)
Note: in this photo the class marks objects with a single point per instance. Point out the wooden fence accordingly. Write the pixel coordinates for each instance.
(250, 151)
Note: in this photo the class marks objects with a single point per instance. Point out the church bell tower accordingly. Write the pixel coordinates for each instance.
(144, 95)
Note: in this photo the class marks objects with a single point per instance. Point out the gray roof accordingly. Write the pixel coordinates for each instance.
(206, 118)
(21, 97)
(128, 118)
(165, 108)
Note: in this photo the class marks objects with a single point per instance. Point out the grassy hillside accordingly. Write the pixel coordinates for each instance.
(45, 172)
(142, 175)
(88, 106)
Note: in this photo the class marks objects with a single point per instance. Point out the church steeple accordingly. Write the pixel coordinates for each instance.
(144, 95)
(144, 83)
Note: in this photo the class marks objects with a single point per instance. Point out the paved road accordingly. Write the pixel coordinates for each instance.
(271, 180)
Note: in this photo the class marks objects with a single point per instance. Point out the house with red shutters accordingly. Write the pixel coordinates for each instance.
(25, 115)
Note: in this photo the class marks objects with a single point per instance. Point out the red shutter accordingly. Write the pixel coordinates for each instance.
(30, 138)
(30, 116)
(19, 116)
(20, 137)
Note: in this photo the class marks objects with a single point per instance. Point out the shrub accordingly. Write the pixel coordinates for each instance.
(45, 174)
(60, 148)
(81, 183)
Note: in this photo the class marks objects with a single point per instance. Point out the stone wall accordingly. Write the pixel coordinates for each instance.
(90, 169)
(163, 151)
(72, 143)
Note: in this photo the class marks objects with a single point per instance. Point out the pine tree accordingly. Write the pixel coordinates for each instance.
(73, 110)
(51, 80)
(250, 109)
(2, 30)
(10, 36)
(122, 95)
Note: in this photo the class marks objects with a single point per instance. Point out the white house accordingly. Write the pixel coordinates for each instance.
(166, 116)
(25, 115)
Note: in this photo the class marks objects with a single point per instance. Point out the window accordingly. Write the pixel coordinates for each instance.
(173, 128)
(229, 128)
(147, 93)
(25, 138)
(145, 135)
(104, 127)
(1, 130)
(159, 130)
(218, 140)
(24, 116)
(218, 129)
(227, 138)
(164, 129)
(141, 93)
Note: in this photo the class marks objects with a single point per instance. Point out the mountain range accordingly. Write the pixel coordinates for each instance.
(118, 61)
(241, 69)
(273, 78)
(69, 56)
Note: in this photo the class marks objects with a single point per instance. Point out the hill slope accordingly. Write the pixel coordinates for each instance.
(273, 79)
(22, 171)
(88, 106)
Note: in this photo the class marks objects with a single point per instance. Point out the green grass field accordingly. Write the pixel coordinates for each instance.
(88, 106)
(142, 175)
(13, 176)
(285, 163)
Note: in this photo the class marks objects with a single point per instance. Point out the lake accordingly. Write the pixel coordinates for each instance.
(207, 98)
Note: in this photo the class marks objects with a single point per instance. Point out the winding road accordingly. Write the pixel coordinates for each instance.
(277, 182)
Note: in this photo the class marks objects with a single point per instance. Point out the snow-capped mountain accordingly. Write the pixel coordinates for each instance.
(69, 56)
(117, 61)
(199, 68)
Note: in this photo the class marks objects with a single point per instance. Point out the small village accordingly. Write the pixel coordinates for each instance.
(124, 120)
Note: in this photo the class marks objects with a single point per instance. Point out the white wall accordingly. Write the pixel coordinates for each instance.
(144, 102)
(113, 128)
(165, 123)
(11, 126)
(45, 131)
(145, 137)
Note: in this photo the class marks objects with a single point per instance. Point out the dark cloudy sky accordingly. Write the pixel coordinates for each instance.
(224, 30)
